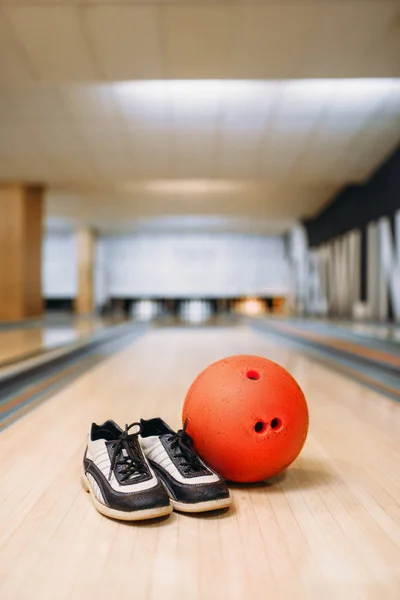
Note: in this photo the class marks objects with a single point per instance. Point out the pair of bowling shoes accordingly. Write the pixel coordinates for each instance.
(146, 471)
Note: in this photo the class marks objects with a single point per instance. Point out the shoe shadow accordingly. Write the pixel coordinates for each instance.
(219, 513)
(171, 519)
(156, 522)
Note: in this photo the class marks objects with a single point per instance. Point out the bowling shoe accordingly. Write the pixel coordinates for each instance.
(192, 486)
(118, 476)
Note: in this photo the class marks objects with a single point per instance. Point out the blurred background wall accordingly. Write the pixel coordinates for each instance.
(170, 266)
(60, 276)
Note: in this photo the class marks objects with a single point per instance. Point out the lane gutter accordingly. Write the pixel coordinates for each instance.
(377, 370)
(31, 382)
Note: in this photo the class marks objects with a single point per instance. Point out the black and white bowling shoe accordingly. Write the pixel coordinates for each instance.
(191, 484)
(121, 483)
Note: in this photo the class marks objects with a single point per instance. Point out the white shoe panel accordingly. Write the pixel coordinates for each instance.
(149, 442)
(89, 453)
(95, 488)
(158, 454)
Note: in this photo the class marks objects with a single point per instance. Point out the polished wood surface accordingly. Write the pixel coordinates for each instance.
(19, 342)
(21, 210)
(328, 528)
(84, 303)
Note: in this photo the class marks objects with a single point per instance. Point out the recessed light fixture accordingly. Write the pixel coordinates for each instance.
(185, 187)
(209, 95)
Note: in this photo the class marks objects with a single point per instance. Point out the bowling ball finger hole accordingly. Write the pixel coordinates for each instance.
(260, 427)
(276, 424)
(253, 375)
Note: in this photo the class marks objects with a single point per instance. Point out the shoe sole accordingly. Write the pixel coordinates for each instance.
(139, 515)
(201, 506)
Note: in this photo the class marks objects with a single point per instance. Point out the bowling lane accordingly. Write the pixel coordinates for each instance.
(379, 331)
(30, 339)
(328, 528)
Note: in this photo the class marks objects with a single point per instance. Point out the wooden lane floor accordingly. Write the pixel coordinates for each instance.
(20, 342)
(328, 528)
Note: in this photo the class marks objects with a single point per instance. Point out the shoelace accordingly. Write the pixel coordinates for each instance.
(132, 461)
(182, 443)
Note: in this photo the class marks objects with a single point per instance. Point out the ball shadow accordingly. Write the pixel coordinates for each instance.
(299, 476)
(257, 485)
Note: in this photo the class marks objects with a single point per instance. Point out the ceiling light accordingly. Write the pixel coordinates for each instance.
(184, 186)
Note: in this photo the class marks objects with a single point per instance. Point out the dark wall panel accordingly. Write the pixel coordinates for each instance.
(356, 206)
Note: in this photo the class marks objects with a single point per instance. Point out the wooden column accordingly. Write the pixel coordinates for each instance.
(21, 216)
(86, 253)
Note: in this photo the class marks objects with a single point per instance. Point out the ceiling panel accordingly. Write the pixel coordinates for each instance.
(296, 111)
(63, 41)
(290, 141)
(61, 139)
(18, 140)
(243, 207)
(230, 3)
(238, 153)
(324, 151)
(269, 42)
(293, 130)
(357, 125)
(109, 167)
(144, 102)
(348, 36)
(149, 152)
(197, 104)
(193, 152)
(86, 102)
(54, 40)
(15, 67)
(383, 56)
(134, 52)
(380, 136)
(41, 104)
(248, 106)
(198, 41)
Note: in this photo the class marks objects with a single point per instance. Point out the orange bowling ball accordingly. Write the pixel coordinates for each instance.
(247, 416)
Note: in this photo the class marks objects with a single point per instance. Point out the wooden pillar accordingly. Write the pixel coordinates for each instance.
(21, 230)
(86, 254)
